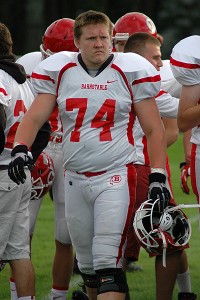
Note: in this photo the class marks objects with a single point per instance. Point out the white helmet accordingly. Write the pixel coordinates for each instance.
(161, 232)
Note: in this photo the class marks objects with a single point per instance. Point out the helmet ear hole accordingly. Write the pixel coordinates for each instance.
(42, 176)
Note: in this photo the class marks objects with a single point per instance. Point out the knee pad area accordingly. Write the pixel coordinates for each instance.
(90, 281)
(111, 280)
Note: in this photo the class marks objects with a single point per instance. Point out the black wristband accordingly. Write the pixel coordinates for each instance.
(19, 148)
(157, 177)
(182, 164)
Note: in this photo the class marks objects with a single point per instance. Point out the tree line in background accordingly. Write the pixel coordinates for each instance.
(28, 19)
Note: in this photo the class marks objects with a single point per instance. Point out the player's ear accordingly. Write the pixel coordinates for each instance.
(77, 44)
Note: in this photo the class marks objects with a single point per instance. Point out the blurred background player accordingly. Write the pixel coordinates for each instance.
(125, 26)
(16, 96)
(58, 37)
(184, 62)
(149, 47)
(174, 88)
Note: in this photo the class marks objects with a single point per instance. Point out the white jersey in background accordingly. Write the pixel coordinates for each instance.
(167, 106)
(185, 64)
(168, 81)
(16, 104)
(109, 116)
(29, 61)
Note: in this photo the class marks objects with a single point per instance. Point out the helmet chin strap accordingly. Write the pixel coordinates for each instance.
(164, 248)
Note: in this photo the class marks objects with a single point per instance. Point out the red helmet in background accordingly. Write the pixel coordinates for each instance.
(131, 23)
(59, 36)
(42, 176)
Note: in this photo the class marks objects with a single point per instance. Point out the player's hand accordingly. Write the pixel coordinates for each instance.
(158, 190)
(185, 173)
(21, 159)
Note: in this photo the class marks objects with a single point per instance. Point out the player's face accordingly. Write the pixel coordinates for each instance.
(94, 45)
(153, 55)
(119, 46)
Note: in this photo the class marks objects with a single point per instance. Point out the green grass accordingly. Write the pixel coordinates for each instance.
(142, 284)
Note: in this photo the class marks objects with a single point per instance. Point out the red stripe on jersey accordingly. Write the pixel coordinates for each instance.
(3, 92)
(131, 114)
(183, 65)
(161, 93)
(64, 69)
(130, 127)
(55, 120)
(124, 78)
(155, 78)
(131, 179)
(145, 151)
(42, 77)
(193, 171)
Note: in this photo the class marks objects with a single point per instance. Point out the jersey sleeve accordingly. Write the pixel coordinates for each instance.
(143, 77)
(46, 75)
(44, 81)
(167, 105)
(185, 61)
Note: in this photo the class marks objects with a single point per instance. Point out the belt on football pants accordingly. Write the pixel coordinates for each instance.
(91, 174)
(3, 167)
(55, 139)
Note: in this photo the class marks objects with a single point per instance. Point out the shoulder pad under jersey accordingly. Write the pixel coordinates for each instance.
(29, 61)
(129, 62)
(185, 60)
(56, 61)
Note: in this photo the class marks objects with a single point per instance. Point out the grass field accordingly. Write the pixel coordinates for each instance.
(142, 284)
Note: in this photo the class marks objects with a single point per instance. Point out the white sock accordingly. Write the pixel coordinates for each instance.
(13, 290)
(27, 298)
(58, 294)
(184, 283)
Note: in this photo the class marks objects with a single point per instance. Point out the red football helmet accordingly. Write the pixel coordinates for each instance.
(59, 36)
(42, 175)
(131, 23)
(161, 233)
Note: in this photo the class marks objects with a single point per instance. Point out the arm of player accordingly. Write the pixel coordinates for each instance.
(189, 111)
(35, 117)
(149, 118)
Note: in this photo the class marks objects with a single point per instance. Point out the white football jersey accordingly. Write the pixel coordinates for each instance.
(168, 81)
(185, 65)
(97, 112)
(185, 61)
(168, 108)
(16, 99)
(30, 61)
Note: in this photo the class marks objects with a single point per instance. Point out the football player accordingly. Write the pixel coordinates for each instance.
(184, 61)
(59, 36)
(98, 94)
(149, 47)
(16, 97)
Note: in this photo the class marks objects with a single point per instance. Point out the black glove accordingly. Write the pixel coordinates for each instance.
(21, 158)
(157, 190)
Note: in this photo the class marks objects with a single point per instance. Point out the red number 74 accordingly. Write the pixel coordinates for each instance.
(104, 118)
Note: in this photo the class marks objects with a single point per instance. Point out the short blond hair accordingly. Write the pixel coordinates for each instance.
(91, 17)
(137, 42)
